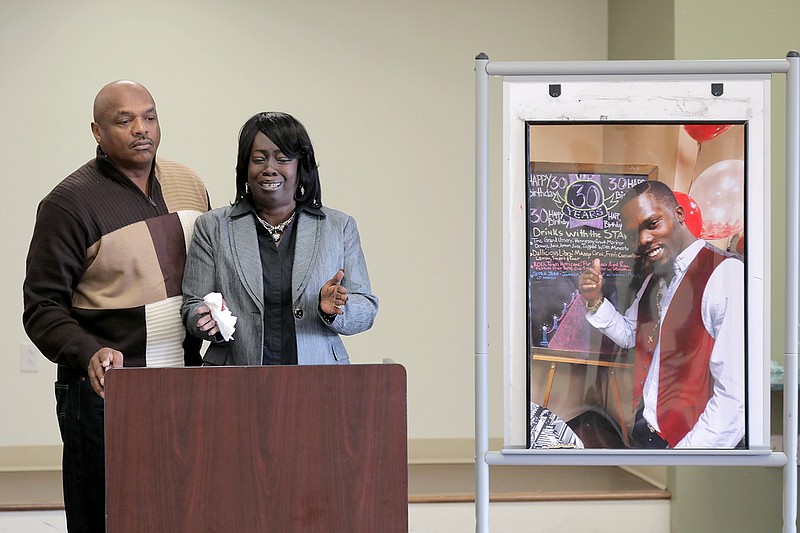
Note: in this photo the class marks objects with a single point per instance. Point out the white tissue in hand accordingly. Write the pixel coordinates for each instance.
(221, 314)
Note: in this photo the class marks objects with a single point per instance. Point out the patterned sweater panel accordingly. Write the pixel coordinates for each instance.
(106, 262)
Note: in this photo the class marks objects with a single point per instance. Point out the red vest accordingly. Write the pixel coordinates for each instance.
(685, 384)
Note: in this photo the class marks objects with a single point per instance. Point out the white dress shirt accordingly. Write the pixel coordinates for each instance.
(721, 424)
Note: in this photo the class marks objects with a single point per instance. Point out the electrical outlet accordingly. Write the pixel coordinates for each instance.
(29, 358)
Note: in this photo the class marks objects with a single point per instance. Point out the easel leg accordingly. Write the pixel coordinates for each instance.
(549, 383)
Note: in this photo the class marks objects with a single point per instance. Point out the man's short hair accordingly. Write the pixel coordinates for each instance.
(660, 191)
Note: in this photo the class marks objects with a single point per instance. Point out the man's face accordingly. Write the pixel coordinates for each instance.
(127, 127)
(653, 231)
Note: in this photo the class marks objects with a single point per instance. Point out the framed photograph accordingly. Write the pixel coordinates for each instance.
(636, 264)
(586, 360)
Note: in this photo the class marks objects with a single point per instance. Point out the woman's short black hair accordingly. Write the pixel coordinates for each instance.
(291, 137)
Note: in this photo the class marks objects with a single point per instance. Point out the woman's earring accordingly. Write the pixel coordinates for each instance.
(302, 190)
(247, 188)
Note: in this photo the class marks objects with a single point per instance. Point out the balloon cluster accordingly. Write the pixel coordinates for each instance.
(714, 205)
(719, 192)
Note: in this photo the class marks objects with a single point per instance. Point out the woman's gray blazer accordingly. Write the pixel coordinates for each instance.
(224, 257)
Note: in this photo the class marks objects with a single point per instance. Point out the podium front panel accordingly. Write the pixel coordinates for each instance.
(284, 448)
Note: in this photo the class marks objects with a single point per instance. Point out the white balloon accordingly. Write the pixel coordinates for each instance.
(719, 192)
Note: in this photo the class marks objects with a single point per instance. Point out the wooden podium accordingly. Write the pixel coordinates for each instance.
(247, 449)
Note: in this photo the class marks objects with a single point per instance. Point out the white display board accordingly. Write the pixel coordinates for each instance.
(678, 93)
(637, 104)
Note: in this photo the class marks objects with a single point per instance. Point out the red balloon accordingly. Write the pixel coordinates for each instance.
(705, 132)
(693, 218)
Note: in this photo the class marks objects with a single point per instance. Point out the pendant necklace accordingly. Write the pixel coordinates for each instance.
(276, 231)
(661, 285)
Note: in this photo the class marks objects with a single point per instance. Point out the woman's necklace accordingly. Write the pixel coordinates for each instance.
(277, 230)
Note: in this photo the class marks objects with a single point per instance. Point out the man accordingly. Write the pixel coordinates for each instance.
(686, 325)
(103, 279)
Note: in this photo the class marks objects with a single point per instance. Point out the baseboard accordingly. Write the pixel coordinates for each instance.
(420, 451)
(462, 451)
(656, 475)
(445, 451)
(30, 458)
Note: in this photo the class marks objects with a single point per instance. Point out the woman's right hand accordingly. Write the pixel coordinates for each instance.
(206, 323)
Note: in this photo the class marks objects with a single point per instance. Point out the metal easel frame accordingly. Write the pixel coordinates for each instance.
(483, 457)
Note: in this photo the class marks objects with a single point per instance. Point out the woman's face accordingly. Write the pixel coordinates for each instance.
(271, 175)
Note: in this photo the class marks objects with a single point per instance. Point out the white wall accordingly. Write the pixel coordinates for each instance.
(386, 90)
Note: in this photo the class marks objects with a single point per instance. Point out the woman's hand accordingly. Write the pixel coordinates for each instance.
(205, 323)
(333, 295)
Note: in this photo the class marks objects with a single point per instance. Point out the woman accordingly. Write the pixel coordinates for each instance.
(291, 270)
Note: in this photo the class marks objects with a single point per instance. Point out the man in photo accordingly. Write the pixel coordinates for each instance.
(686, 324)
